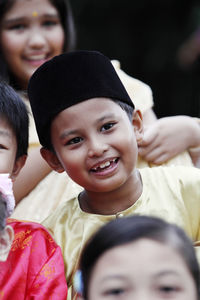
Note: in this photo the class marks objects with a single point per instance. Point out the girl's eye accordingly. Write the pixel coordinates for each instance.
(75, 140)
(2, 146)
(49, 23)
(168, 289)
(107, 126)
(115, 292)
(17, 27)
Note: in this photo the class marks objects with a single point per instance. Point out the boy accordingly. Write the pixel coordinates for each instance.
(88, 127)
(31, 263)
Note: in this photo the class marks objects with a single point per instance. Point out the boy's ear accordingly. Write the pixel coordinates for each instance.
(6, 238)
(52, 160)
(19, 163)
(137, 122)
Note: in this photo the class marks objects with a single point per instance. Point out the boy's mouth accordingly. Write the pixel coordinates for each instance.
(105, 165)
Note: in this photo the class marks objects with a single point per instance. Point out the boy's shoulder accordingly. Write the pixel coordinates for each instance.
(66, 211)
(171, 175)
(176, 171)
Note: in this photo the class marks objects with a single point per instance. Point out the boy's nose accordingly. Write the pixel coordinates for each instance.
(96, 148)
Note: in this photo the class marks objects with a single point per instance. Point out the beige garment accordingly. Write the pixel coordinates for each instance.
(139, 92)
(171, 193)
(56, 188)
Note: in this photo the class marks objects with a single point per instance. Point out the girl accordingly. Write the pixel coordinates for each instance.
(139, 257)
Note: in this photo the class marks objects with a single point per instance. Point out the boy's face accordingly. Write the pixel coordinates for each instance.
(95, 143)
(8, 150)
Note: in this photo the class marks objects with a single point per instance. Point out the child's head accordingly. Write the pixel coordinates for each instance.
(7, 204)
(139, 257)
(69, 79)
(78, 97)
(31, 32)
(13, 131)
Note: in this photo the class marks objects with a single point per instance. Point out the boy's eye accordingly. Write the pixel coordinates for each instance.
(75, 140)
(107, 126)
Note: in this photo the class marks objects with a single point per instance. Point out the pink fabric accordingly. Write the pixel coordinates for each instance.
(34, 268)
(6, 188)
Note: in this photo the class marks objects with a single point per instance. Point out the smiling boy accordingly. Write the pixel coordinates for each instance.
(91, 131)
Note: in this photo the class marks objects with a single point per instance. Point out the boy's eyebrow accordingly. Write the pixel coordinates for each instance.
(107, 116)
(67, 133)
(76, 131)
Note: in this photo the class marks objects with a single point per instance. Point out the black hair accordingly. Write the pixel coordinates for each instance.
(126, 107)
(64, 9)
(13, 110)
(126, 230)
(2, 213)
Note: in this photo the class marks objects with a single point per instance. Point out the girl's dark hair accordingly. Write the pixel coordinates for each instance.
(14, 112)
(65, 12)
(126, 230)
(2, 213)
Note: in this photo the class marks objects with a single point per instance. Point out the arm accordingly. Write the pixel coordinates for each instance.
(149, 117)
(50, 282)
(32, 173)
(169, 136)
(46, 274)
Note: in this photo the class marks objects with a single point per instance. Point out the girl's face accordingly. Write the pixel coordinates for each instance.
(30, 34)
(143, 270)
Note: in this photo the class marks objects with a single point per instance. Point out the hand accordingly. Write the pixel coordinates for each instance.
(167, 137)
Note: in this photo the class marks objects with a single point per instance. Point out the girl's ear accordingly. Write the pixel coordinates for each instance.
(19, 163)
(6, 238)
(137, 122)
(52, 160)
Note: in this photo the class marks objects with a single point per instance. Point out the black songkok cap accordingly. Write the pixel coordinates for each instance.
(69, 79)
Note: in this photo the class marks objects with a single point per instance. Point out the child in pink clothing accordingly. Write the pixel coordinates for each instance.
(31, 263)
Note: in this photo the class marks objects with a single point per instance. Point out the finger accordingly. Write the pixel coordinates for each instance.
(145, 150)
(153, 155)
(163, 158)
(149, 136)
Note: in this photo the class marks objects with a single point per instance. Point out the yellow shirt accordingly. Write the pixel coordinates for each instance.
(171, 193)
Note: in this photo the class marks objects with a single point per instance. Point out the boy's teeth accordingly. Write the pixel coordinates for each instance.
(106, 164)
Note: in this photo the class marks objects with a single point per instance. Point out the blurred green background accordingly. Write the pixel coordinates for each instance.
(147, 37)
